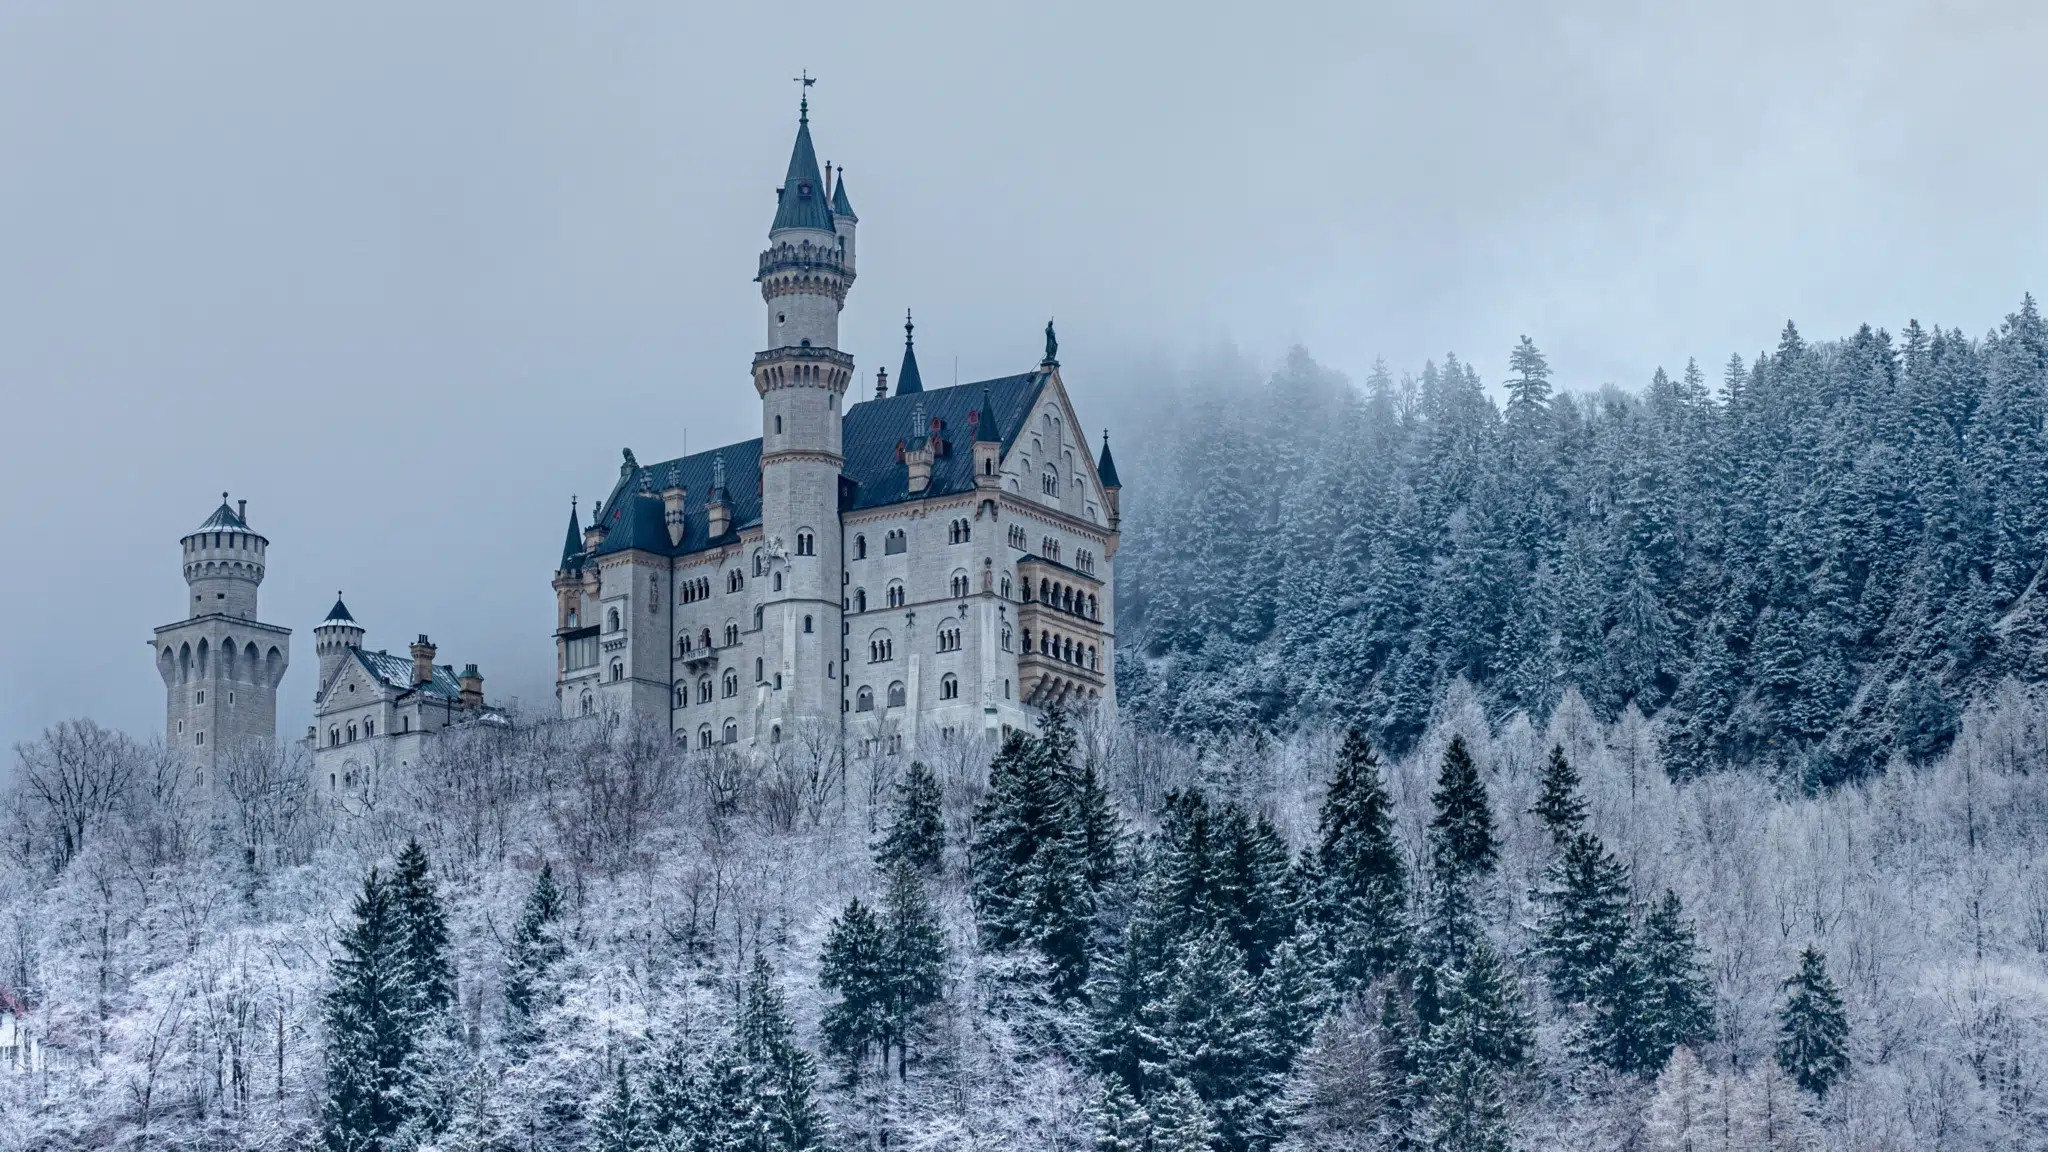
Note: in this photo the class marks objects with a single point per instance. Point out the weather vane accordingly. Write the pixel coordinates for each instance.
(804, 78)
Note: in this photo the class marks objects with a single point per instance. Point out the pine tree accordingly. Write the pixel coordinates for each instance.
(1462, 841)
(917, 833)
(621, 1121)
(1619, 1028)
(913, 963)
(536, 948)
(429, 975)
(1582, 922)
(1466, 1112)
(1680, 995)
(370, 1023)
(1559, 805)
(477, 1126)
(1813, 1027)
(853, 965)
(781, 1075)
(1363, 890)
(1482, 1014)
(1121, 1124)
(1180, 1122)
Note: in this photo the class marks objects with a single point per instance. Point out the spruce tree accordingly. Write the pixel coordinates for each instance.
(370, 1022)
(781, 1077)
(1582, 921)
(913, 962)
(1619, 1029)
(1482, 1013)
(853, 965)
(621, 1121)
(1466, 1112)
(1680, 995)
(536, 948)
(917, 831)
(1559, 805)
(1813, 1026)
(1462, 841)
(1121, 1124)
(423, 931)
(1363, 882)
(1180, 1122)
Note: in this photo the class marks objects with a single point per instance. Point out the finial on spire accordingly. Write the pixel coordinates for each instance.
(223, 495)
(908, 328)
(804, 105)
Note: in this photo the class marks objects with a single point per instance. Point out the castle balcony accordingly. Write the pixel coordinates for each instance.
(699, 659)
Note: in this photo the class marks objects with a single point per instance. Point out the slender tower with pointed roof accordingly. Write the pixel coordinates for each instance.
(909, 380)
(220, 665)
(802, 378)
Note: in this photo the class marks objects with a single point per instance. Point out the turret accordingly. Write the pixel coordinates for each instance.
(471, 682)
(909, 380)
(1112, 488)
(718, 506)
(843, 218)
(919, 451)
(988, 446)
(333, 638)
(224, 563)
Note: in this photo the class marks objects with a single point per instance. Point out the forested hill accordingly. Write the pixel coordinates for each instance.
(1812, 558)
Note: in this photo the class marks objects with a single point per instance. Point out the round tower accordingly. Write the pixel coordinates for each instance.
(802, 378)
(332, 640)
(224, 563)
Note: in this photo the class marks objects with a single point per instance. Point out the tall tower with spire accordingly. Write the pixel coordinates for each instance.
(802, 378)
(220, 665)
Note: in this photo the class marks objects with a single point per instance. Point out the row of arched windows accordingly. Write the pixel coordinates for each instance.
(1074, 601)
(959, 532)
(695, 590)
(1064, 649)
(731, 731)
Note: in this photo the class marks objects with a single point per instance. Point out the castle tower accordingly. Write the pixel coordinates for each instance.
(802, 378)
(221, 666)
(332, 639)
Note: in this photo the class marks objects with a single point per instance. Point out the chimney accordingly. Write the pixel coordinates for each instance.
(242, 511)
(672, 498)
(422, 660)
(472, 683)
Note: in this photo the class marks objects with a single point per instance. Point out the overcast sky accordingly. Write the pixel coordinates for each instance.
(406, 277)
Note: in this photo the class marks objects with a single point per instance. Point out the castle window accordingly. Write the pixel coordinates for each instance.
(369, 728)
(949, 639)
(732, 683)
(200, 696)
(704, 690)
(829, 673)
(1049, 482)
(959, 584)
(682, 695)
(760, 563)
(775, 734)
(578, 653)
(1017, 540)
(611, 620)
(704, 638)
(572, 617)
(896, 694)
(895, 595)
(860, 547)
(860, 599)
(806, 544)
(807, 624)
(351, 733)
(959, 532)
(683, 644)
(734, 581)
(231, 697)
(1006, 587)
(778, 425)
(881, 648)
(757, 619)
(895, 542)
(201, 738)
(732, 634)
(1093, 613)
(618, 671)
(333, 736)
(585, 706)
(704, 736)
(865, 700)
(405, 723)
(732, 731)
(778, 583)
(181, 727)
(758, 664)
(1006, 688)
(949, 687)
(1006, 637)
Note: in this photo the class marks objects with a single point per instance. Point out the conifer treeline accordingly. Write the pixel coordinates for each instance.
(1816, 563)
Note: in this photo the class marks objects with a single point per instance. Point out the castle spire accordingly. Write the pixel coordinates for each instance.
(908, 380)
(573, 544)
(800, 202)
(1105, 465)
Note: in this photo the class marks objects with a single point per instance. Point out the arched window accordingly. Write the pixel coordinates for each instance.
(896, 694)
(584, 705)
(1049, 482)
(864, 701)
(895, 542)
(881, 648)
(757, 619)
(806, 544)
(704, 638)
(683, 644)
(369, 728)
(1006, 637)
(1093, 613)
(896, 595)
(572, 621)
(760, 562)
(333, 734)
(959, 584)
(732, 682)
(775, 734)
(1017, 540)
(704, 736)
(611, 620)
(807, 623)
(949, 687)
(734, 581)
(732, 731)
(618, 670)
(704, 690)
(758, 677)
(860, 599)
(860, 547)
(778, 581)
(682, 695)
(732, 634)
(949, 638)
(778, 425)
(351, 732)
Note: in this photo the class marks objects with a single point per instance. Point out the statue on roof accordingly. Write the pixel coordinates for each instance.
(1052, 345)
(629, 465)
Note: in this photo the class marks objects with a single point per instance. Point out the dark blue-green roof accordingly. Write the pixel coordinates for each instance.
(338, 614)
(397, 672)
(841, 206)
(223, 520)
(800, 202)
(572, 546)
(1105, 466)
(872, 477)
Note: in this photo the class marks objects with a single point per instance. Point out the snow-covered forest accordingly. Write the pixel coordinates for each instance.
(1510, 936)
(1661, 771)
(1817, 555)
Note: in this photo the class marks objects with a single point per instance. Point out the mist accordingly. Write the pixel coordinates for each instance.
(407, 280)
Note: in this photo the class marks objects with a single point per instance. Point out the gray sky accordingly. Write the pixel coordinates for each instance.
(407, 276)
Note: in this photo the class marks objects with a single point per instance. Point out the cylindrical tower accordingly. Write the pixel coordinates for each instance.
(802, 378)
(332, 639)
(224, 564)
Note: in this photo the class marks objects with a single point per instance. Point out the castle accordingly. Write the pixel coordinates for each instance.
(927, 564)
(931, 564)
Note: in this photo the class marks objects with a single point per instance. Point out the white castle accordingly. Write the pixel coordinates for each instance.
(929, 565)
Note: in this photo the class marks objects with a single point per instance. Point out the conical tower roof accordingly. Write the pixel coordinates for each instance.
(800, 202)
(1105, 466)
(908, 380)
(841, 206)
(339, 614)
(224, 519)
(986, 430)
(572, 545)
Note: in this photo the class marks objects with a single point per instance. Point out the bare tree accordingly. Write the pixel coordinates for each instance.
(77, 774)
